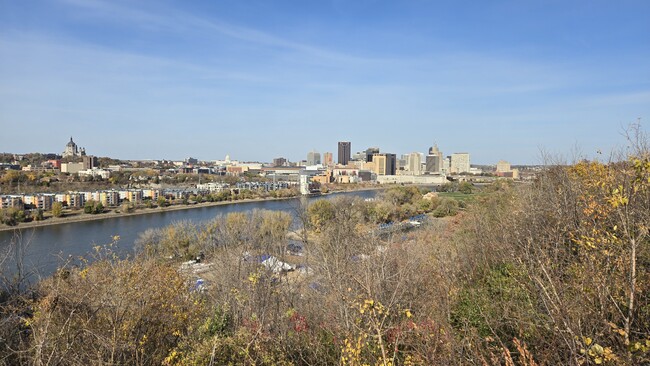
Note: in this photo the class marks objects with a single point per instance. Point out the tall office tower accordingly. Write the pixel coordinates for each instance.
(433, 164)
(434, 160)
(345, 147)
(379, 164)
(370, 152)
(313, 158)
(445, 166)
(384, 164)
(415, 163)
(459, 163)
(328, 159)
(391, 164)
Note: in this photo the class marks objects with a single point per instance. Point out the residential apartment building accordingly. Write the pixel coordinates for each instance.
(12, 201)
(71, 199)
(40, 201)
(75, 200)
(133, 196)
(106, 198)
(153, 194)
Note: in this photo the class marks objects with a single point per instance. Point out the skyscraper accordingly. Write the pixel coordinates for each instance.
(415, 163)
(345, 148)
(313, 158)
(384, 164)
(370, 152)
(434, 160)
(391, 164)
(459, 163)
(434, 163)
(328, 159)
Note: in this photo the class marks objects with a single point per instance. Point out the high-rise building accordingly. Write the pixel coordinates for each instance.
(459, 163)
(391, 164)
(434, 160)
(415, 163)
(279, 162)
(89, 162)
(379, 164)
(328, 159)
(384, 164)
(445, 165)
(345, 148)
(313, 158)
(370, 152)
(503, 166)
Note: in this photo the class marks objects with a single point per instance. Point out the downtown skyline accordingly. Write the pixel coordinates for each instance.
(258, 80)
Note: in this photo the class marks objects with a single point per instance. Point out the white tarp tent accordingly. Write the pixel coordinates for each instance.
(275, 265)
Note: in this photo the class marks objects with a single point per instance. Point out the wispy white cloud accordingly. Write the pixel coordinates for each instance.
(459, 72)
(176, 20)
(150, 69)
(617, 99)
(34, 52)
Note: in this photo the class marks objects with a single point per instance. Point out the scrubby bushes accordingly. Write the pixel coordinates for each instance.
(12, 216)
(128, 312)
(555, 272)
(563, 266)
(400, 203)
(446, 207)
(92, 207)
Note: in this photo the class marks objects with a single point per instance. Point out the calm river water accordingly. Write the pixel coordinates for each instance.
(46, 247)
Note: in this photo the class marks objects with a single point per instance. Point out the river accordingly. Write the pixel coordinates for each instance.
(44, 248)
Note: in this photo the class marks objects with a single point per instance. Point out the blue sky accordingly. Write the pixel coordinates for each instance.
(263, 79)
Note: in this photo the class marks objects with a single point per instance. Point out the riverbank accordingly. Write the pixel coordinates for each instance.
(146, 211)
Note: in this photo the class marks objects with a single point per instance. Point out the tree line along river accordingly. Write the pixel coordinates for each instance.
(42, 249)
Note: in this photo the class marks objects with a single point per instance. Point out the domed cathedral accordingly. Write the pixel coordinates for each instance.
(71, 150)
